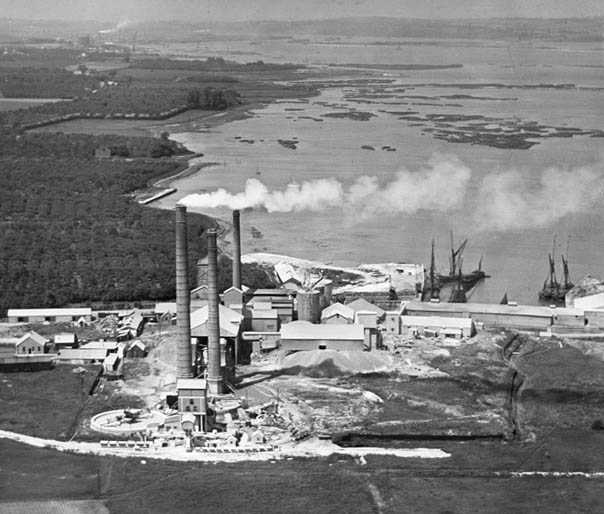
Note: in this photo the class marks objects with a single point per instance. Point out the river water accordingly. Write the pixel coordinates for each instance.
(509, 202)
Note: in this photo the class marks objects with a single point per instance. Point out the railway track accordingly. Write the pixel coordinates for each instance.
(508, 352)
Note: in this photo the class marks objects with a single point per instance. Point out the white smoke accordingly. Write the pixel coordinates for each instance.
(505, 203)
(122, 24)
(441, 186)
(507, 200)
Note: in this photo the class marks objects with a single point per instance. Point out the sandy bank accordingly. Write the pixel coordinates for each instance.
(309, 448)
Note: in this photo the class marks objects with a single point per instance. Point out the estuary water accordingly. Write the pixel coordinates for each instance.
(443, 141)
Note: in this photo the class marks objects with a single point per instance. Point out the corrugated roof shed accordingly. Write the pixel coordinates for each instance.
(306, 330)
(360, 304)
(229, 322)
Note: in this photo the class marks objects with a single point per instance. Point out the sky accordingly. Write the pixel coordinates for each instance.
(235, 10)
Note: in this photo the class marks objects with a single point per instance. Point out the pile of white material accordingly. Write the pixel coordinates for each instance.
(376, 278)
(332, 362)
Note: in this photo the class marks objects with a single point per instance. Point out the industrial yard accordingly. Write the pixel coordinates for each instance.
(217, 285)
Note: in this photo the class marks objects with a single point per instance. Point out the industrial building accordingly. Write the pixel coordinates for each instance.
(439, 326)
(520, 317)
(302, 335)
(50, 315)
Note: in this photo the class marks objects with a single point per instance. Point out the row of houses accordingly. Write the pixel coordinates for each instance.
(17, 354)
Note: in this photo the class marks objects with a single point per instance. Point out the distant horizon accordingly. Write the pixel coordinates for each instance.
(299, 20)
(112, 11)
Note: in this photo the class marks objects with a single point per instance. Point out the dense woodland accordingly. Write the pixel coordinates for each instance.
(70, 228)
(84, 146)
(71, 231)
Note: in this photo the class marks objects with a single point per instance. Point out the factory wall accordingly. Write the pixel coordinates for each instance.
(322, 344)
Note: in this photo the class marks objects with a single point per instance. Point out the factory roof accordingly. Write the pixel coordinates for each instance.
(306, 330)
(337, 309)
(436, 321)
(229, 322)
(85, 311)
(190, 383)
(482, 308)
(360, 304)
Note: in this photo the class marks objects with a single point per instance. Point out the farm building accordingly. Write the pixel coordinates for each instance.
(337, 314)
(438, 326)
(136, 350)
(31, 343)
(302, 335)
(49, 315)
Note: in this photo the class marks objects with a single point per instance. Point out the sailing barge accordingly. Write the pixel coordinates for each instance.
(456, 283)
(554, 291)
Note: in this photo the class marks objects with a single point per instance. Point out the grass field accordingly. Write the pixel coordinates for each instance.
(328, 485)
(12, 104)
(55, 404)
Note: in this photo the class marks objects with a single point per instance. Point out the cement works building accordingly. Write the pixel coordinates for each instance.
(302, 335)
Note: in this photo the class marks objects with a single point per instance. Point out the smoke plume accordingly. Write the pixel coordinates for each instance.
(506, 203)
(440, 186)
(506, 200)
